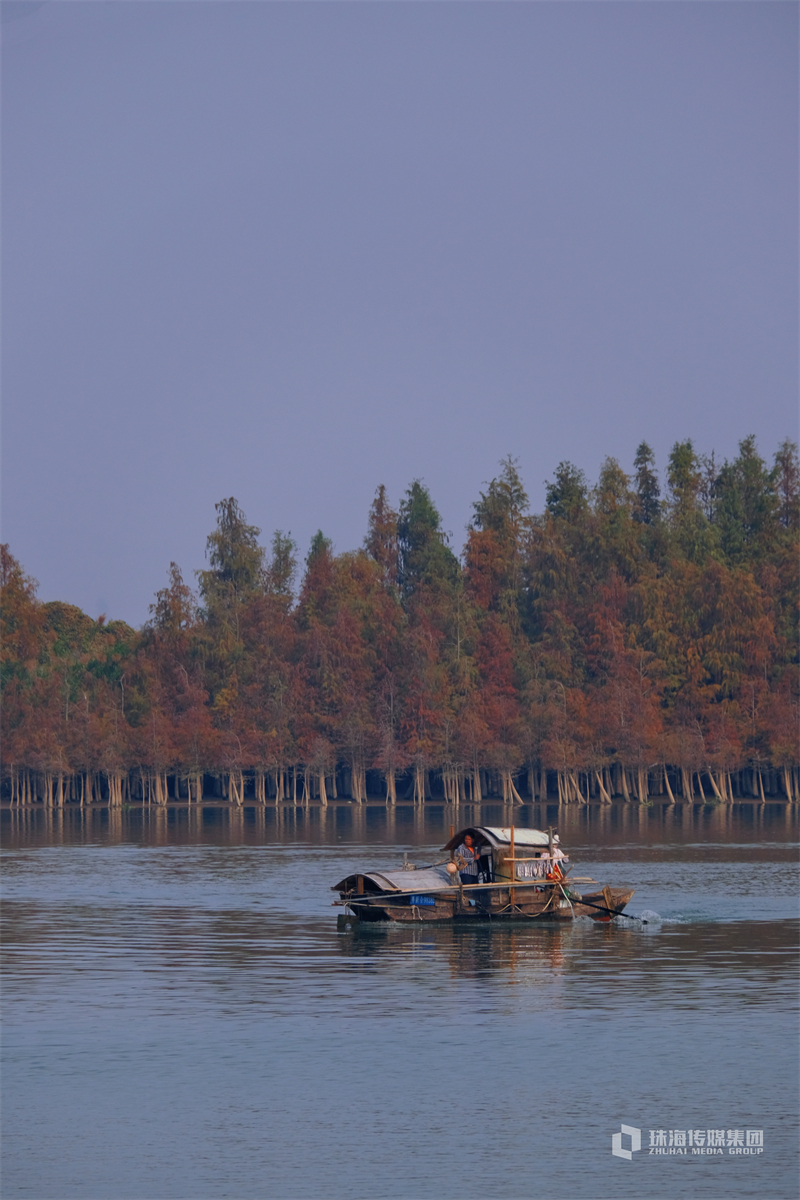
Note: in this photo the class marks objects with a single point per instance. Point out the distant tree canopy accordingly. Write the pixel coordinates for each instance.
(630, 639)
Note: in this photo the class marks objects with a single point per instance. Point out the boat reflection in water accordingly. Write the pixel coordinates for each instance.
(520, 876)
(509, 954)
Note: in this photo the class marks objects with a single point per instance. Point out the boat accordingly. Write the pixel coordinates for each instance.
(522, 876)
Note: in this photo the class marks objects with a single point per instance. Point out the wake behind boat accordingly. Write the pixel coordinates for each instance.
(491, 872)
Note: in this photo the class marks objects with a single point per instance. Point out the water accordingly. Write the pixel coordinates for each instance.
(183, 1018)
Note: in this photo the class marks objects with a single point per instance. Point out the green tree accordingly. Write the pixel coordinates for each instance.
(236, 561)
(381, 541)
(175, 609)
(282, 569)
(648, 490)
(690, 526)
(567, 496)
(612, 535)
(747, 505)
(493, 552)
(425, 559)
(787, 484)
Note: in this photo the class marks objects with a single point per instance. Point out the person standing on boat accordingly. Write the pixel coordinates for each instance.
(556, 859)
(467, 857)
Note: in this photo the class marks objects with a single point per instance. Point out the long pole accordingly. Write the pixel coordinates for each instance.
(511, 894)
(614, 912)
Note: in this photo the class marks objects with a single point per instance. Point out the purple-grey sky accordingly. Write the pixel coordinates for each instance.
(289, 251)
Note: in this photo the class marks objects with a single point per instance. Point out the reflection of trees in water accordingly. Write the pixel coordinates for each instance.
(661, 829)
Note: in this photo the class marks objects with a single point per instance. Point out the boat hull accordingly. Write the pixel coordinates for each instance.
(504, 904)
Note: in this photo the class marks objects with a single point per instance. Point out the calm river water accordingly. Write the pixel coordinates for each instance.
(183, 1018)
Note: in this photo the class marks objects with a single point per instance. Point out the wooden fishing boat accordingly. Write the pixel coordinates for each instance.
(522, 876)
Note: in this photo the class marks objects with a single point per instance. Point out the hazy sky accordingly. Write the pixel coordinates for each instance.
(289, 251)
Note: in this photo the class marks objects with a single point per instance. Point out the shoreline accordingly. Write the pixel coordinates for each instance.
(216, 802)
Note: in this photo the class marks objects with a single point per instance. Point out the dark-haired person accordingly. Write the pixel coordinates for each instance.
(467, 856)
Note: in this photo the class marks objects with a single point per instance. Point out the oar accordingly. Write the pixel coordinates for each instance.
(614, 912)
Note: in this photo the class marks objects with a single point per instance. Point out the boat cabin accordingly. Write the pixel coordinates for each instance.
(528, 849)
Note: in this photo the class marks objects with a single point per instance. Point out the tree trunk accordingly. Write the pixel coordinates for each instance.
(666, 785)
(391, 786)
(717, 792)
(644, 795)
(606, 799)
(787, 783)
(625, 792)
(477, 794)
(323, 795)
(686, 784)
(510, 793)
(358, 788)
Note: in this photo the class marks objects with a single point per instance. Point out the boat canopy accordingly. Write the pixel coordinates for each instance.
(496, 836)
(426, 879)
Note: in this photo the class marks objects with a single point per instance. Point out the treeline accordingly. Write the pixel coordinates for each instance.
(621, 643)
